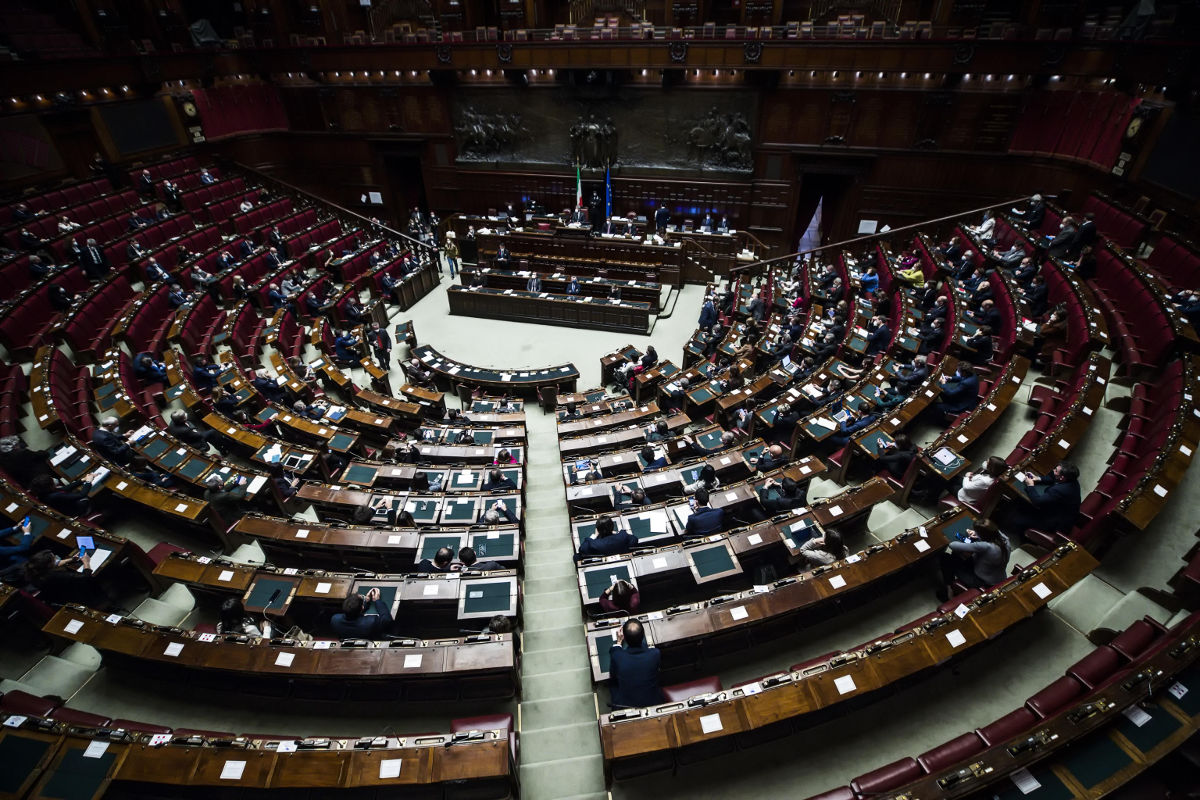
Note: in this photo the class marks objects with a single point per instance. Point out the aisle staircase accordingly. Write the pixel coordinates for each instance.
(560, 745)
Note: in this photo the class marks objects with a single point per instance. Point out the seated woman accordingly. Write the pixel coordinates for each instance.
(976, 484)
(59, 581)
(979, 562)
(707, 479)
(620, 596)
(234, 619)
(823, 549)
(70, 499)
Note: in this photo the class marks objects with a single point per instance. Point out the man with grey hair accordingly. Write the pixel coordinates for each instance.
(224, 495)
(497, 514)
(189, 434)
(110, 444)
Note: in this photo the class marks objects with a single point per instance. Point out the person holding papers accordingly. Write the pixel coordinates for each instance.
(607, 541)
(979, 561)
(1054, 501)
(621, 596)
(362, 617)
(705, 519)
(862, 417)
(61, 581)
(633, 674)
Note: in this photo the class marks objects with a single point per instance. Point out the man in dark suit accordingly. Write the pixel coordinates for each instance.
(649, 461)
(1033, 215)
(633, 670)
(110, 444)
(362, 617)
(704, 520)
(607, 541)
(909, 377)
(225, 260)
(94, 262)
(772, 458)
(758, 307)
(1085, 236)
(441, 561)
(502, 258)
(189, 434)
(381, 344)
(1054, 502)
(145, 184)
(534, 284)
(662, 218)
(273, 259)
(708, 313)
(134, 250)
(156, 274)
(960, 393)
(275, 239)
(777, 497)
(880, 336)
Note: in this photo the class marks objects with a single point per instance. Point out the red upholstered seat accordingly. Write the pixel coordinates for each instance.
(137, 727)
(73, 716)
(957, 749)
(1096, 667)
(162, 551)
(1136, 639)
(840, 793)
(888, 777)
(682, 691)
(18, 702)
(492, 722)
(1007, 727)
(1056, 696)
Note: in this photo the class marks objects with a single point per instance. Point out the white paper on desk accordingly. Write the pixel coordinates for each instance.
(475, 595)
(324, 644)
(290, 571)
(711, 723)
(181, 508)
(286, 747)
(95, 749)
(73, 626)
(924, 533)
(15, 721)
(854, 559)
(1159, 490)
(921, 545)
(1025, 781)
(1041, 590)
(256, 484)
(754, 538)
(429, 590)
(62, 455)
(658, 522)
(390, 768)
(323, 588)
(1177, 690)
(113, 618)
(1137, 716)
(961, 611)
(730, 497)
(413, 660)
(835, 511)
(837, 581)
(739, 612)
(173, 649)
(11, 507)
(203, 560)
(207, 637)
(845, 684)
(658, 563)
(285, 659)
(64, 533)
(225, 576)
(822, 422)
(232, 771)
(956, 638)
(464, 477)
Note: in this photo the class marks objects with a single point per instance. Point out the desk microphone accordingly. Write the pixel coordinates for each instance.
(274, 596)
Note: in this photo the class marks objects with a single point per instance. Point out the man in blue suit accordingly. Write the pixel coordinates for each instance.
(960, 393)
(633, 669)
(608, 541)
(708, 313)
(362, 617)
(704, 520)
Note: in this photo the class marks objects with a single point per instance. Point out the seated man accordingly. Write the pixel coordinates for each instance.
(704, 520)
(110, 444)
(1054, 502)
(607, 541)
(497, 480)
(497, 514)
(650, 460)
(362, 617)
(189, 434)
(773, 458)
(149, 370)
(778, 497)
(204, 374)
(960, 393)
(441, 561)
(345, 347)
(910, 376)
(633, 670)
(470, 560)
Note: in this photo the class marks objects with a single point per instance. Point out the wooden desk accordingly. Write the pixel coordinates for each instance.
(394, 672)
(556, 283)
(506, 382)
(574, 311)
(646, 735)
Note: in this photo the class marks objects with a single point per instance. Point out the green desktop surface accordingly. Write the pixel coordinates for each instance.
(712, 560)
(709, 441)
(431, 543)
(459, 512)
(874, 443)
(173, 392)
(341, 441)
(78, 777)
(243, 394)
(193, 468)
(265, 414)
(482, 437)
(667, 369)
(423, 511)
(944, 469)
(1095, 759)
(155, 448)
(494, 545)
(958, 526)
(690, 474)
(701, 395)
(1190, 702)
(1052, 788)
(173, 458)
(1152, 733)
(105, 389)
(769, 414)
(488, 597)
(599, 578)
(263, 588)
(360, 474)
(753, 452)
(77, 466)
(604, 644)
(20, 757)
